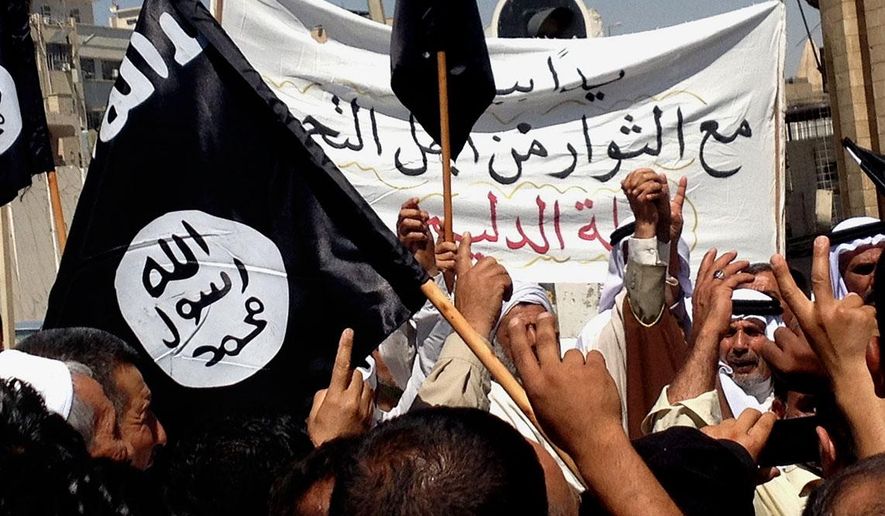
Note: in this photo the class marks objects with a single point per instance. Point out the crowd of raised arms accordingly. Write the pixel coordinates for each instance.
(739, 388)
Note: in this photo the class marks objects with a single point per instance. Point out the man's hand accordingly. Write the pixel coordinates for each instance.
(794, 361)
(481, 289)
(446, 252)
(575, 400)
(751, 430)
(717, 279)
(677, 220)
(347, 406)
(646, 192)
(414, 233)
(839, 331)
(576, 403)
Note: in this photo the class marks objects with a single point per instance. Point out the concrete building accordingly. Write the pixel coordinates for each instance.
(62, 10)
(101, 50)
(854, 43)
(77, 64)
(813, 195)
(123, 18)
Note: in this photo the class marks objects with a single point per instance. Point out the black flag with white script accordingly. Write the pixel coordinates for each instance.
(871, 163)
(420, 29)
(217, 238)
(24, 137)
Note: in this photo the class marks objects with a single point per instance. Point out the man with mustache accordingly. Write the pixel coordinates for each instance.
(736, 312)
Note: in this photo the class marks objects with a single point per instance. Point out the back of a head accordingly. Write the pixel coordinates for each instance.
(305, 486)
(856, 490)
(229, 465)
(442, 461)
(47, 470)
(98, 350)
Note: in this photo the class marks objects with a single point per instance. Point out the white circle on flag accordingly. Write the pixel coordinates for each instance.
(208, 298)
(10, 114)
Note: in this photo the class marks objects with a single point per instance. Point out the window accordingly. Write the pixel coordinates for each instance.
(87, 66)
(45, 11)
(59, 56)
(75, 14)
(109, 70)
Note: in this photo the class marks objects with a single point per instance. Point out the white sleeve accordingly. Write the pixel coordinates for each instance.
(648, 251)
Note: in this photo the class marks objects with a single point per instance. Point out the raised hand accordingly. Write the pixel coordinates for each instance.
(677, 220)
(414, 233)
(794, 362)
(481, 289)
(575, 399)
(445, 252)
(839, 332)
(717, 278)
(645, 191)
(346, 407)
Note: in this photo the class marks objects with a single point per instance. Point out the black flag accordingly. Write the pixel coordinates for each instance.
(217, 238)
(24, 137)
(420, 29)
(871, 163)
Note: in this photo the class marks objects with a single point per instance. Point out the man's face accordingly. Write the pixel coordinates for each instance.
(138, 425)
(858, 268)
(740, 348)
(528, 312)
(106, 441)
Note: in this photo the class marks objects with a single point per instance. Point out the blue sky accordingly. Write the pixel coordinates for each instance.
(624, 16)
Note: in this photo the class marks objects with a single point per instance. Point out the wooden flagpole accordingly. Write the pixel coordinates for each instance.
(7, 315)
(61, 234)
(496, 369)
(442, 79)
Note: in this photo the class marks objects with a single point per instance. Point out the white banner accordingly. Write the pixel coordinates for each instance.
(538, 185)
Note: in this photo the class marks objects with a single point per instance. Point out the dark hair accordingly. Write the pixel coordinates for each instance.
(46, 467)
(323, 463)
(228, 465)
(98, 350)
(757, 267)
(442, 461)
(825, 500)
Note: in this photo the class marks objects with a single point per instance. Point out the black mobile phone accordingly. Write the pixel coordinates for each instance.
(792, 441)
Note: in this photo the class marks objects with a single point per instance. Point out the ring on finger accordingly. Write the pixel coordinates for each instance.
(720, 274)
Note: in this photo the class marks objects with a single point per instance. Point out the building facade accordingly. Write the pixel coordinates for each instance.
(77, 63)
(813, 193)
(854, 43)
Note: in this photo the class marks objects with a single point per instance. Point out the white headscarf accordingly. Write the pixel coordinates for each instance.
(617, 263)
(50, 378)
(524, 292)
(772, 322)
(839, 288)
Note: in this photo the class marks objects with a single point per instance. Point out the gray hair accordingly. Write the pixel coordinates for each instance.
(82, 416)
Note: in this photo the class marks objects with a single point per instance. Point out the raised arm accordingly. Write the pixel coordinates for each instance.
(717, 279)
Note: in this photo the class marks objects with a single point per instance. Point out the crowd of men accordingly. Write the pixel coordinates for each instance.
(736, 390)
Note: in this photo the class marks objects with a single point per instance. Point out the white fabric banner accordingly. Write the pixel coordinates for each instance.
(538, 185)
